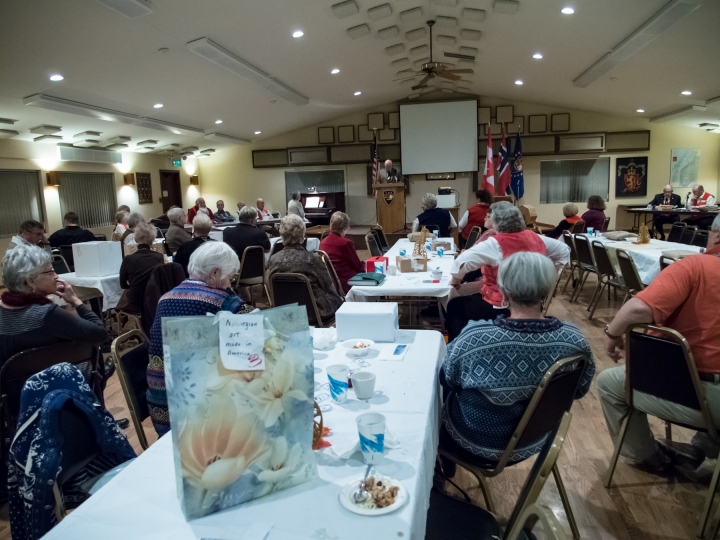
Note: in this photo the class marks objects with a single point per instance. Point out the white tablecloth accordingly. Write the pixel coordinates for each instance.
(645, 256)
(93, 287)
(141, 502)
(410, 283)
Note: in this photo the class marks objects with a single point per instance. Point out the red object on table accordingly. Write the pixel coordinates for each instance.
(370, 263)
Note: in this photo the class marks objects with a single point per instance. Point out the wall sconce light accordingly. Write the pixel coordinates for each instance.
(129, 179)
(53, 178)
(194, 180)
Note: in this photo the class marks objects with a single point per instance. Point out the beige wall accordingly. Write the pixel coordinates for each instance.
(44, 157)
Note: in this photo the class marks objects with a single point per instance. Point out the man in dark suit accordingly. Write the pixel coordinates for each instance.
(72, 233)
(666, 197)
(388, 175)
(246, 233)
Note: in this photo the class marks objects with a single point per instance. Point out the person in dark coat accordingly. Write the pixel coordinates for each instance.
(595, 216)
(201, 234)
(432, 215)
(136, 269)
(666, 198)
(72, 233)
(246, 233)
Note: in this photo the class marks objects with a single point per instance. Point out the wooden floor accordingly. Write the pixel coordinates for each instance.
(641, 506)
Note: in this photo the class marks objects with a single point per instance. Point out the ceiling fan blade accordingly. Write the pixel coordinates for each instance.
(406, 78)
(424, 81)
(451, 77)
(419, 86)
(459, 71)
(458, 55)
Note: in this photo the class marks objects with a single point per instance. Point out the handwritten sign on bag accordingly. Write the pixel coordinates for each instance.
(241, 341)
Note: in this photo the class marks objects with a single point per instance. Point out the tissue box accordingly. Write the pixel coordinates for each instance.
(448, 244)
(370, 264)
(367, 320)
(97, 259)
(411, 264)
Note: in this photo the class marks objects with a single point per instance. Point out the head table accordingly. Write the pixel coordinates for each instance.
(141, 501)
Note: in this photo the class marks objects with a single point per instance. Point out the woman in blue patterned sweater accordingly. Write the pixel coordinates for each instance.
(211, 268)
(493, 367)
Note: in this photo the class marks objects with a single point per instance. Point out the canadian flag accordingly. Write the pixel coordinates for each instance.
(488, 179)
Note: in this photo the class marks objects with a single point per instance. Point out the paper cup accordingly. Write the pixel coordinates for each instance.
(371, 428)
(392, 270)
(436, 274)
(338, 377)
(363, 382)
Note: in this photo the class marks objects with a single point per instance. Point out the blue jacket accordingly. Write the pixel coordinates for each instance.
(36, 452)
(436, 216)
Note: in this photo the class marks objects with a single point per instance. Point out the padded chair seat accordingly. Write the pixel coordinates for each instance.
(448, 444)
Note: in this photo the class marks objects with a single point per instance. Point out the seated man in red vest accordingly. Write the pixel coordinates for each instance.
(696, 198)
(200, 207)
(512, 236)
(475, 215)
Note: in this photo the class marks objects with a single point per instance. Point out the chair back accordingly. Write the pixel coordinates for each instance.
(252, 264)
(276, 215)
(700, 239)
(605, 225)
(500, 198)
(432, 228)
(578, 227)
(372, 245)
(324, 235)
(378, 240)
(473, 236)
(529, 215)
(293, 288)
(688, 234)
(333, 274)
(582, 247)
(380, 235)
(67, 253)
(570, 242)
(100, 237)
(59, 264)
(602, 259)
(676, 231)
(131, 366)
(159, 233)
(277, 246)
(629, 272)
(551, 293)
(666, 261)
(163, 279)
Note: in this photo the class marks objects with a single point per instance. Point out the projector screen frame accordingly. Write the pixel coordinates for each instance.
(476, 101)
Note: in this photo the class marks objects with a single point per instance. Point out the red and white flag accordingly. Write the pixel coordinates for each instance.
(488, 178)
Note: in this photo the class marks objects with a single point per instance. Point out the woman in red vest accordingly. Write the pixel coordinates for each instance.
(570, 212)
(475, 215)
(512, 237)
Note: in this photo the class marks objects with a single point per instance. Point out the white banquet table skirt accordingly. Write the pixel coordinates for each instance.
(92, 287)
(141, 501)
(409, 283)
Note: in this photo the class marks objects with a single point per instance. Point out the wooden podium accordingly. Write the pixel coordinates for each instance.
(391, 206)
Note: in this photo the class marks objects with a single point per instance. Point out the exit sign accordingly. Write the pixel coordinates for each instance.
(177, 162)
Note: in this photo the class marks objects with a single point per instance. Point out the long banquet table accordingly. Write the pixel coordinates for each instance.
(106, 287)
(141, 501)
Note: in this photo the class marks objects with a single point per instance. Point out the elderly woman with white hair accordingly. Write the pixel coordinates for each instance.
(570, 211)
(295, 206)
(212, 267)
(136, 268)
(432, 215)
(486, 389)
(28, 318)
(176, 234)
(133, 218)
(294, 258)
(512, 237)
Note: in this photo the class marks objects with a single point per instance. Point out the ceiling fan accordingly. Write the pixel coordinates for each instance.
(435, 69)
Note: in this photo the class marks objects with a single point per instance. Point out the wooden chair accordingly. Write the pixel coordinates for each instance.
(605, 225)
(333, 274)
(529, 216)
(676, 231)
(292, 288)
(607, 277)
(131, 367)
(630, 275)
(552, 399)
(688, 234)
(701, 238)
(449, 517)
(662, 365)
(586, 263)
(578, 227)
(60, 265)
(372, 245)
(252, 271)
(473, 236)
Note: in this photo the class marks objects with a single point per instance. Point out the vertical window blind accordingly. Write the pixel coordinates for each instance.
(332, 181)
(574, 180)
(91, 196)
(21, 200)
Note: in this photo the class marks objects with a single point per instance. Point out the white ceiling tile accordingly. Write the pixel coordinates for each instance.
(422, 49)
(8, 133)
(473, 15)
(466, 63)
(411, 14)
(469, 51)
(421, 61)
(345, 9)
(395, 49)
(470, 35)
(379, 12)
(446, 40)
(401, 63)
(451, 3)
(358, 31)
(446, 22)
(389, 32)
(45, 129)
(506, 6)
(416, 34)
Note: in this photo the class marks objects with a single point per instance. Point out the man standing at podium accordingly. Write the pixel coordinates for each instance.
(388, 175)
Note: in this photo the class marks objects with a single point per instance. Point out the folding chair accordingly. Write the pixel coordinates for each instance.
(569, 240)
(605, 225)
(629, 274)
(432, 228)
(552, 399)
(379, 240)
(333, 274)
(277, 246)
(586, 263)
(578, 227)
(372, 245)
(252, 271)
(292, 288)
(100, 237)
(676, 231)
(67, 253)
(380, 235)
(449, 517)
(606, 275)
(131, 366)
(666, 261)
(688, 234)
(60, 265)
(548, 299)
(473, 236)
(701, 238)
(662, 365)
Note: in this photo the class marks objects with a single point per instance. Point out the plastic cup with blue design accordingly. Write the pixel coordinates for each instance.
(591, 231)
(403, 252)
(440, 252)
(371, 428)
(379, 268)
(436, 233)
(338, 377)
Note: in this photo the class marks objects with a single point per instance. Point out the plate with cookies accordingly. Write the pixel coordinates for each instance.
(386, 495)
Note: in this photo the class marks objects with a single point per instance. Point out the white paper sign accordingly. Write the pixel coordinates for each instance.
(241, 341)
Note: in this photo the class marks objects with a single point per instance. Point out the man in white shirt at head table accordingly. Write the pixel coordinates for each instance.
(263, 212)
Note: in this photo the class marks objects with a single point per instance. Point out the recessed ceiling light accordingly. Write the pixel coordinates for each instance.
(686, 93)
(358, 93)
(335, 71)
(518, 82)
(567, 10)
(56, 77)
(537, 56)
(177, 132)
(218, 121)
(298, 33)
(158, 105)
(641, 110)
(258, 132)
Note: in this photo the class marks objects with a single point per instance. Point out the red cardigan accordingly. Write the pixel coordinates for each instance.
(192, 212)
(342, 253)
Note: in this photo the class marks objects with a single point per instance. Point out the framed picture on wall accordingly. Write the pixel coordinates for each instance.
(364, 134)
(326, 135)
(376, 121)
(394, 120)
(631, 177)
(560, 122)
(537, 123)
(484, 115)
(346, 134)
(504, 114)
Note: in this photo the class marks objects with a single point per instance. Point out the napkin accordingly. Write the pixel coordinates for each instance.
(394, 352)
(344, 448)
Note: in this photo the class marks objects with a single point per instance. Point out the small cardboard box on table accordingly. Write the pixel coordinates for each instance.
(97, 259)
(377, 321)
(411, 264)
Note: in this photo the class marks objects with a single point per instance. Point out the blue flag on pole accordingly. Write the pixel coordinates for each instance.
(517, 183)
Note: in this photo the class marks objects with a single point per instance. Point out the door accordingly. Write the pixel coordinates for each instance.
(170, 189)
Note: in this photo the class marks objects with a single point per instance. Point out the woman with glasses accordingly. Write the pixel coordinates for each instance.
(28, 316)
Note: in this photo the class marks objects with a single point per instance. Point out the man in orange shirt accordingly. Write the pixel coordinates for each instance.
(684, 297)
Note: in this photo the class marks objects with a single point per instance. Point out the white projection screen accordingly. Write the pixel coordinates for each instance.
(440, 137)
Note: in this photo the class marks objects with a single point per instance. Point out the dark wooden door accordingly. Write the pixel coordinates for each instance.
(170, 189)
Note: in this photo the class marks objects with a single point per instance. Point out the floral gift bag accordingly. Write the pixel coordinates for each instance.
(239, 435)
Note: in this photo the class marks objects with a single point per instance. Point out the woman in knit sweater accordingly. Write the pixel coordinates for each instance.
(493, 367)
